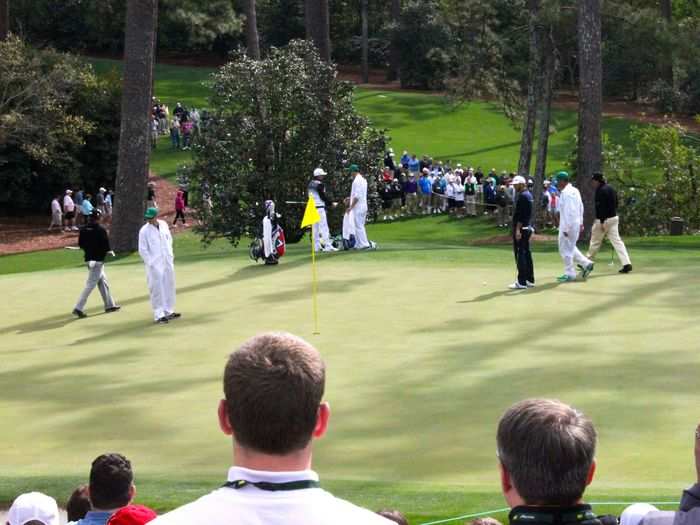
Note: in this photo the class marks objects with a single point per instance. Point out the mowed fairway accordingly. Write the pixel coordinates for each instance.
(425, 349)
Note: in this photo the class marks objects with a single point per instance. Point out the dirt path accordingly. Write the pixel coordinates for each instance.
(30, 234)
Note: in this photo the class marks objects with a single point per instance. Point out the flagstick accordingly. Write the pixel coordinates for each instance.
(314, 285)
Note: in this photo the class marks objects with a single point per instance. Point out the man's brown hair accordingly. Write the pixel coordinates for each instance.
(547, 448)
(274, 385)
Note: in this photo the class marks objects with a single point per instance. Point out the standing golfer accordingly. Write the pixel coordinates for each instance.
(358, 207)
(322, 236)
(156, 250)
(606, 222)
(570, 226)
(522, 215)
(94, 241)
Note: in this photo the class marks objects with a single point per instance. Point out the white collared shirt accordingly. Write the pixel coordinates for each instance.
(570, 209)
(359, 192)
(252, 506)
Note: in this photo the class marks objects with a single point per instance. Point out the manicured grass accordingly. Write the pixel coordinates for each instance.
(425, 349)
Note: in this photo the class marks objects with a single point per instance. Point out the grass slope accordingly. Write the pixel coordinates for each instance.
(425, 349)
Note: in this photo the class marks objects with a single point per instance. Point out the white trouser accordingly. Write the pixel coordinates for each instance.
(570, 254)
(610, 229)
(361, 240)
(96, 277)
(161, 285)
(322, 237)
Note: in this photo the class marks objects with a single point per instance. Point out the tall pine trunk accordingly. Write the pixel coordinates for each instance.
(590, 109)
(534, 88)
(544, 118)
(251, 30)
(667, 66)
(317, 21)
(394, 52)
(135, 136)
(365, 41)
(4, 19)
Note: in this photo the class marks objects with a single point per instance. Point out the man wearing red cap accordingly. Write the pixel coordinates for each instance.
(132, 515)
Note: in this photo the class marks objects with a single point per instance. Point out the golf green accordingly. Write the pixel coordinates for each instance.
(425, 349)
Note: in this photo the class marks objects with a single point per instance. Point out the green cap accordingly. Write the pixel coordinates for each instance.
(150, 213)
(353, 168)
(562, 175)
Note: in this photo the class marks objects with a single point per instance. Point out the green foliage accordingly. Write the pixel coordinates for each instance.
(648, 206)
(59, 125)
(272, 122)
(425, 42)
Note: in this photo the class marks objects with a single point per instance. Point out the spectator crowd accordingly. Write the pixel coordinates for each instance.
(273, 410)
(411, 186)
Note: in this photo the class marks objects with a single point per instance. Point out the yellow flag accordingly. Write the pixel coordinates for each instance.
(311, 215)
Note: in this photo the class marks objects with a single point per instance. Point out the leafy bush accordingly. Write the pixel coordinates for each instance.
(666, 98)
(59, 126)
(272, 122)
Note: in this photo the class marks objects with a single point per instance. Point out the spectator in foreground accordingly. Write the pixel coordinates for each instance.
(132, 515)
(635, 513)
(111, 488)
(78, 504)
(273, 409)
(546, 451)
(393, 515)
(33, 508)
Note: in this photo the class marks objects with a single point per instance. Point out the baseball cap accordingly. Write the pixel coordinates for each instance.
(132, 515)
(518, 179)
(318, 172)
(634, 514)
(150, 213)
(68, 192)
(562, 175)
(102, 189)
(33, 506)
(353, 168)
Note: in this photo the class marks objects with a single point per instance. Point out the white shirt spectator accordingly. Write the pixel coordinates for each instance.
(458, 190)
(359, 192)
(55, 207)
(253, 506)
(68, 204)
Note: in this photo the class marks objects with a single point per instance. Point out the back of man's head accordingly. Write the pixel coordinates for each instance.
(274, 385)
(547, 449)
(111, 480)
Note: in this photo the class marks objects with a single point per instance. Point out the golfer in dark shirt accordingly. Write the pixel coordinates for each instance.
(607, 222)
(94, 241)
(522, 215)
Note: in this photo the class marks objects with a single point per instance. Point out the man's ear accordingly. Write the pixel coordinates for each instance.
(224, 423)
(322, 417)
(132, 492)
(506, 482)
(591, 473)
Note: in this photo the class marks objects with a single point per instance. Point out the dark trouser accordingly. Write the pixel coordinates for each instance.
(523, 258)
(179, 214)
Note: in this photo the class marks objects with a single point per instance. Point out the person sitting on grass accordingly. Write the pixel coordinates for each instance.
(273, 409)
(546, 453)
(111, 488)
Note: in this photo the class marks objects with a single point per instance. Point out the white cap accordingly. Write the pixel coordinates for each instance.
(33, 506)
(68, 192)
(634, 514)
(426, 170)
(102, 190)
(518, 179)
(459, 165)
(318, 172)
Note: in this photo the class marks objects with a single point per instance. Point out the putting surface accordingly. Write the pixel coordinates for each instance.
(424, 345)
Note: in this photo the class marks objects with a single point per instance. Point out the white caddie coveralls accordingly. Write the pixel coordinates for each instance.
(359, 192)
(570, 221)
(322, 235)
(156, 250)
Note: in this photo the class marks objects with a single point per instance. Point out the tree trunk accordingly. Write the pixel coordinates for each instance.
(544, 117)
(365, 42)
(590, 110)
(667, 66)
(251, 30)
(317, 20)
(534, 88)
(135, 136)
(4, 19)
(394, 52)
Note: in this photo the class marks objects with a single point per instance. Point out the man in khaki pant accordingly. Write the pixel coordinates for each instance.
(606, 223)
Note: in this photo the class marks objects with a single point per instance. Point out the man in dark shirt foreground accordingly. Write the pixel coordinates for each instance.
(546, 451)
(522, 215)
(94, 241)
(606, 223)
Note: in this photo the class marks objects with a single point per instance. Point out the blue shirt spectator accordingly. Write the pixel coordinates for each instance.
(414, 165)
(405, 159)
(425, 185)
(87, 207)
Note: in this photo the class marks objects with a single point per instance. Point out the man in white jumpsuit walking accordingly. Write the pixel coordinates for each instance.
(570, 225)
(358, 207)
(156, 250)
(322, 236)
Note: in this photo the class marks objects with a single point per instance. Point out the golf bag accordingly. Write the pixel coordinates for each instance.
(272, 244)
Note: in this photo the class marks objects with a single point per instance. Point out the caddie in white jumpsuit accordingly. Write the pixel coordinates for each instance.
(358, 207)
(322, 235)
(156, 250)
(570, 222)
